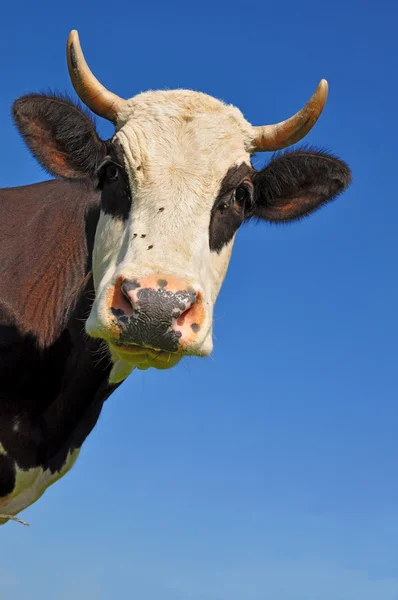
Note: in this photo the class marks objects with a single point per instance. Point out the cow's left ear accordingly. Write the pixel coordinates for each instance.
(296, 183)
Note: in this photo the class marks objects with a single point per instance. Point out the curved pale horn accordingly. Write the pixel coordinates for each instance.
(286, 133)
(94, 95)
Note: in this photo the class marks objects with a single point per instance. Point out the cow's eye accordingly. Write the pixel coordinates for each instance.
(111, 172)
(239, 198)
(242, 194)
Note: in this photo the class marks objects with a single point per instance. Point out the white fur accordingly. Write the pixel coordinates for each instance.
(30, 485)
(178, 146)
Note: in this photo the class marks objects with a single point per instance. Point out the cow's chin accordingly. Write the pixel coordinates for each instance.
(128, 357)
(143, 358)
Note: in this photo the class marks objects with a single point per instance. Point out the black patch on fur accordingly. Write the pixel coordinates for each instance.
(297, 182)
(60, 134)
(150, 323)
(225, 220)
(115, 193)
(7, 476)
(55, 395)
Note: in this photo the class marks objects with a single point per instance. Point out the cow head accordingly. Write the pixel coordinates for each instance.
(176, 183)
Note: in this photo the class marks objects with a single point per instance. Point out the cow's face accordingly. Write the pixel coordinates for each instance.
(175, 187)
(176, 182)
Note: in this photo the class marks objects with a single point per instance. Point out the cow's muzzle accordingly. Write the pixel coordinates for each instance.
(163, 314)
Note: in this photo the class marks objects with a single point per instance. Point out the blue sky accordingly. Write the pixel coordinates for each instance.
(270, 469)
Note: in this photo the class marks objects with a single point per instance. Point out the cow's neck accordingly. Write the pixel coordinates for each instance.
(46, 240)
(53, 380)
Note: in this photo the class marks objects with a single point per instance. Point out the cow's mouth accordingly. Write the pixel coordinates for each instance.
(144, 358)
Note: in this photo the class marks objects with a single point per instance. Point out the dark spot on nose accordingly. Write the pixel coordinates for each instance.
(161, 209)
(129, 285)
(139, 168)
(143, 235)
(135, 235)
(150, 247)
(195, 327)
(119, 314)
(162, 283)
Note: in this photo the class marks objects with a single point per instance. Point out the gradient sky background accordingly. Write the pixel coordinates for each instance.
(270, 470)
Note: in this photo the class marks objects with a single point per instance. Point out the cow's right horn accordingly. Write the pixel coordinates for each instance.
(94, 95)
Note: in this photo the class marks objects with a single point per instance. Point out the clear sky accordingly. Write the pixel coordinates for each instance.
(270, 470)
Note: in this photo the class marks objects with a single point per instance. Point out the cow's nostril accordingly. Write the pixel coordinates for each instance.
(122, 302)
(189, 323)
(189, 310)
(129, 288)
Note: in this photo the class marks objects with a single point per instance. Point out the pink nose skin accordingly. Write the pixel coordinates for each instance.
(160, 312)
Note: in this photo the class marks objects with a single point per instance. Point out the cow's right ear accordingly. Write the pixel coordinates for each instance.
(60, 134)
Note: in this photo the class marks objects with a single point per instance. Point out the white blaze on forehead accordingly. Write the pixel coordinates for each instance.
(177, 106)
(186, 137)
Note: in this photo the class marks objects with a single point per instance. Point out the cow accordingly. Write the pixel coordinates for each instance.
(115, 262)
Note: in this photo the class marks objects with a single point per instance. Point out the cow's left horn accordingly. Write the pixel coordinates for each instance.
(94, 95)
(286, 133)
